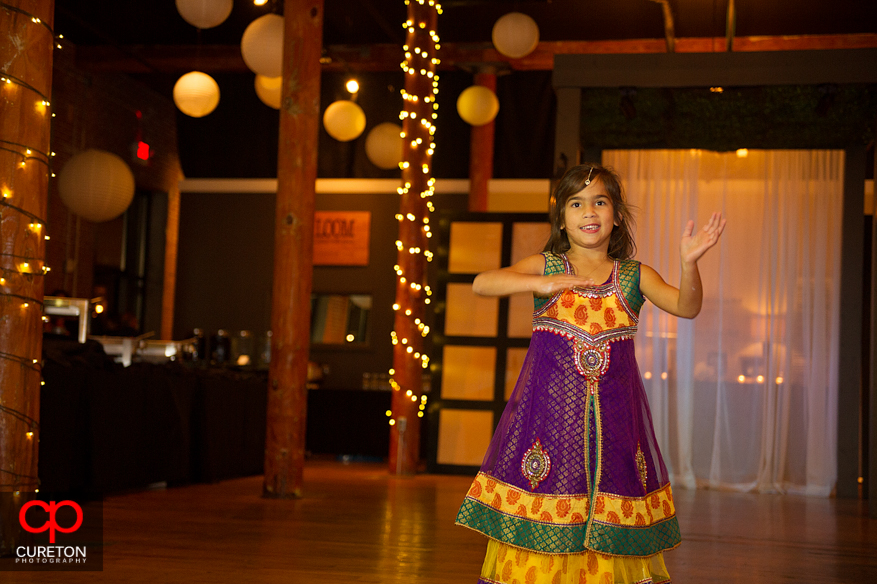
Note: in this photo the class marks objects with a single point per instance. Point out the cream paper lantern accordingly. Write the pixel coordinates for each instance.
(477, 105)
(196, 94)
(96, 185)
(383, 145)
(344, 120)
(262, 45)
(515, 35)
(268, 90)
(204, 13)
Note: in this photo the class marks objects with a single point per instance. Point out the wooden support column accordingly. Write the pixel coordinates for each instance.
(171, 248)
(481, 151)
(293, 248)
(567, 140)
(411, 282)
(871, 435)
(26, 46)
(850, 365)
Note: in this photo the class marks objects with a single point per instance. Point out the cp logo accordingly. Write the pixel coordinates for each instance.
(52, 525)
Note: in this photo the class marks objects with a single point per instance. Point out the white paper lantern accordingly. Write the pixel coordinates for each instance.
(96, 185)
(262, 45)
(204, 13)
(515, 35)
(268, 90)
(477, 105)
(344, 120)
(196, 94)
(383, 145)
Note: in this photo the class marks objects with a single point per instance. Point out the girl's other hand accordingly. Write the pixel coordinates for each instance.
(694, 245)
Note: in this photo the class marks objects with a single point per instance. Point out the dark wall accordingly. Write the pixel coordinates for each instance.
(225, 270)
(239, 139)
(224, 263)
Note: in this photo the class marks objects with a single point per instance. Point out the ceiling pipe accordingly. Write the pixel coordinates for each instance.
(730, 26)
(669, 30)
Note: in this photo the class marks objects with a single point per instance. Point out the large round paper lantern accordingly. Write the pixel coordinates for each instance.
(344, 120)
(477, 105)
(262, 45)
(515, 35)
(196, 94)
(383, 145)
(204, 13)
(96, 185)
(268, 90)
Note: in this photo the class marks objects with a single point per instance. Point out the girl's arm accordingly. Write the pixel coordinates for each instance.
(525, 276)
(686, 300)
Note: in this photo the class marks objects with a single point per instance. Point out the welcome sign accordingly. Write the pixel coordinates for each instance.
(341, 238)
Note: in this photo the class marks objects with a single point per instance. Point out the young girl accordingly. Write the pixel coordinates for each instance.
(573, 488)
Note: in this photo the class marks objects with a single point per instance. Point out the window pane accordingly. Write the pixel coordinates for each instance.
(521, 315)
(468, 372)
(470, 315)
(474, 247)
(528, 238)
(463, 436)
(514, 362)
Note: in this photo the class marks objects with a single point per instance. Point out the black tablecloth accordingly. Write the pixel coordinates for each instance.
(106, 428)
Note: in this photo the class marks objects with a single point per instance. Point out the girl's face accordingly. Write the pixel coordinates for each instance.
(589, 217)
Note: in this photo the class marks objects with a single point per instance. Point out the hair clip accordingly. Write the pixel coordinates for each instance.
(588, 180)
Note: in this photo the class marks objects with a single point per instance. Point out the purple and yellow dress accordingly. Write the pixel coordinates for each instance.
(573, 488)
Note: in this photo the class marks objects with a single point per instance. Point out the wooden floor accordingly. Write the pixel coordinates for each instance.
(356, 524)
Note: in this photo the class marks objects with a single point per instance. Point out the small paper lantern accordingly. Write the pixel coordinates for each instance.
(383, 145)
(268, 90)
(204, 13)
(262, 45)
(96, 185)
(196, 94)
(477, 105)
(344, 120)
(515, 35)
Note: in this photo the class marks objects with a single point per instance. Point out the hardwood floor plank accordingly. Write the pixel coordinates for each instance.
(355, 524)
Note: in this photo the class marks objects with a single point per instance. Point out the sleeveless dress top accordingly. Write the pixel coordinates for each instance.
(573, 488)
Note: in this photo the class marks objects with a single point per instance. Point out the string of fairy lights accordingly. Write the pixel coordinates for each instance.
(16, 266)
(419, 64)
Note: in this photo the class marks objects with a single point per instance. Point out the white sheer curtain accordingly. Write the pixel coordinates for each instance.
(745, 396)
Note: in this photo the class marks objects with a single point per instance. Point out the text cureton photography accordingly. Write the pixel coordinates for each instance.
(57, 534)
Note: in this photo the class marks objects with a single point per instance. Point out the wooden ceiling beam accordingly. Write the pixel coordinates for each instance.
(174, 59)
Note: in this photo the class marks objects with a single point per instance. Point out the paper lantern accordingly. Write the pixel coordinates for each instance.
(262, 45)
(383, 145)
(96, 185)
(196, 94)
(204, 13)
(515, 35)
(344, 120)
(477, 105)
(268, 90)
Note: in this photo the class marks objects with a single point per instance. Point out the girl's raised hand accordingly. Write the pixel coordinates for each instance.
(550, 285)
(694, 245)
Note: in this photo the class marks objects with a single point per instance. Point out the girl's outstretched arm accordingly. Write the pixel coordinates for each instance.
(525, 276)
(688, 298)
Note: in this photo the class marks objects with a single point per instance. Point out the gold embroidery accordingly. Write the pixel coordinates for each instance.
(536, 464)
(592, 361)
(641, 466)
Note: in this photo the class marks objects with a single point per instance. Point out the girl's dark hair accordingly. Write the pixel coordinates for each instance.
(621, 245)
